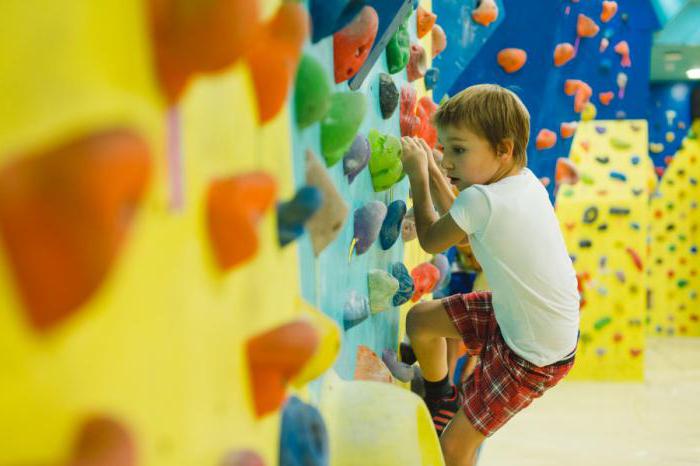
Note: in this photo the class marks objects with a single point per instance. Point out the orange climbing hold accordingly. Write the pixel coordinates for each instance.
(274, 358)
(368, 366)
(352, 44)
(622, 48)
(425, 20)
(563, 53)
(274, 57)
(567, 129)
(439, 39)
(580, 90)
(486, 14)
(425, 277)
(608, 11)
(199, 37)
(511, 60)
(606, 97)
(103, 442)
(566, 172)
(64, 215)
(546, 139)
(586, 27)
(635, 258)
(235, 206)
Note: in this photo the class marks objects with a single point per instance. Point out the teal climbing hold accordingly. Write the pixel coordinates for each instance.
(385, 162)
(406, 288)
(312, 95)
(340, 125)
(382, 288)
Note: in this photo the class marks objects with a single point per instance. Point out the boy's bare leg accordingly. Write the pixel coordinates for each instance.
(427, 325)
(460, 441)
(452, 356)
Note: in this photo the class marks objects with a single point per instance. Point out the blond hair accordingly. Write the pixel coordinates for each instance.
(492, 112)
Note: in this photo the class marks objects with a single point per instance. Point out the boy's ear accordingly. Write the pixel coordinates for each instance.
(505, 147)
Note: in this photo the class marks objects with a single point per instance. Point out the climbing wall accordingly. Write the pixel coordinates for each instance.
(669, 121)
(602, 205)
(673, 267)
(174, 268)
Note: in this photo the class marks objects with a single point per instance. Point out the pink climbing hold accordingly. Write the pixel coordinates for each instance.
(417, 64)
(604, 42)
(409, 122)
(425, 277)
(622, 48)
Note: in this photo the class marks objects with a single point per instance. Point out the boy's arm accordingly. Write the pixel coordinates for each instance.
(435, 233)
(440, 189)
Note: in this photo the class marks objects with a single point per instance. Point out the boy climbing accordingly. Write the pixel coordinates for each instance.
(525, 329)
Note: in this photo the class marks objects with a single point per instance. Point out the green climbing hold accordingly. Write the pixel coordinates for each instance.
(568, 193)
(382, 288)
(600, 323)
(587, 179)
(682, 283)
(586, 338)
(340, 125)
(398, 50)
(620, 144)
(312, 95)
(385, 162)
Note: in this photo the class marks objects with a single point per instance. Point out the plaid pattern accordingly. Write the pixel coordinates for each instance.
(503, 383)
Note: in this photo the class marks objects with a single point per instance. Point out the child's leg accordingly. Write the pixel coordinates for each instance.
(427, 325)
(460, 441)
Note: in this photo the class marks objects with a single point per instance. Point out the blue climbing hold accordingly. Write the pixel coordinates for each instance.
(431, 78)
(635, 160)
(616, 175)
(391, 227)
(303, 435)
(619, 211)
(635, 226)
(605, 66)
(406, 288)
(292, 215)
(355, 310)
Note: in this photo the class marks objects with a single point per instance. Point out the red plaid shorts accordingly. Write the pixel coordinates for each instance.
(503, 383)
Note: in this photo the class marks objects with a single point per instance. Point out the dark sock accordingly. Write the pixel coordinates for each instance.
(439, 389)
(407, 354)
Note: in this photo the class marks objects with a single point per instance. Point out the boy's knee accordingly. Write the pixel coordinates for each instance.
(413, 321)
(456, 452)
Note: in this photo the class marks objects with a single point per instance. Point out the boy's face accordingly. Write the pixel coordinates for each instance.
(469, 159)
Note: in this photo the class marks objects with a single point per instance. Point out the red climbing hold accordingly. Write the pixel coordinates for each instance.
(606, 97)
(425, 20)
(425, 277)
(409, 122)
(635, 258)
(425, 111)
(417, 64)
(352, 44)
(64, 215)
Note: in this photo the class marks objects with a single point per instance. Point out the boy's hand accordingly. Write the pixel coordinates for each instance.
(414, 156)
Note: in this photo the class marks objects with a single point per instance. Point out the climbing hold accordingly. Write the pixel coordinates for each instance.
(637, 191)
(234, 208)
(635, 226)
(425, 20)
(635, 352)
(417, 63)
(431, 78)
(55, 204)
(398, 50)
(340, 125)
(590, 215)
(589, 112)
(103, 441)
(580, 90)
(620, 144)
(406, 288)
(356, 158)
(635, 258)
(566, 172)
(621, 84)
(385, 165)
(604, 43)
(622, 48)
(616, 175)
(585, 27)
(563, 53)
(312, 92)
(587, 179)
(486, 13)
(352, 44)
(369, 367)
(425, 277)
(656, 147)
(603, 160)
(567, 129)
(602, 323)
(608, 11)
(603, 227)
(424, 111)
(605, 66)
(546, 139)
(382, 288)
(274, 55)
(303, 435)
(408, 227)
(670, 136)
(635, 159)
(329, 16)
(276, 356)
(443, 265)
(682, 283)
(606, 97)
(203, 37)
(293, 214)
(600, 129)
(388, 95)
(355, 310)
(439, 40)
(512, 59)
(242, 458)
(325, 225)
(368, 221)
(619, 211)
(409, 122)
(391, 227)
(585, 243)
(400, 370)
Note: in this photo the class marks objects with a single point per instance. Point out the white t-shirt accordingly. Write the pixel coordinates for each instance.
(516, 238)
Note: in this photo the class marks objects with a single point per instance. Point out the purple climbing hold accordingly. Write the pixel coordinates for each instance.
(600, 129)
(391, 227)
(356, 158)
(443, 265)
(388, 95)
(398, 369)
(368, 222)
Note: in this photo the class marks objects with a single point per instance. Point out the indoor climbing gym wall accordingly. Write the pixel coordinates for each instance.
(674, 309)
(602, 204)
(669, 121)
(202, 210)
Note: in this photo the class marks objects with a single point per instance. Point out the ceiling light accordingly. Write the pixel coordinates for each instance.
(693, 73)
